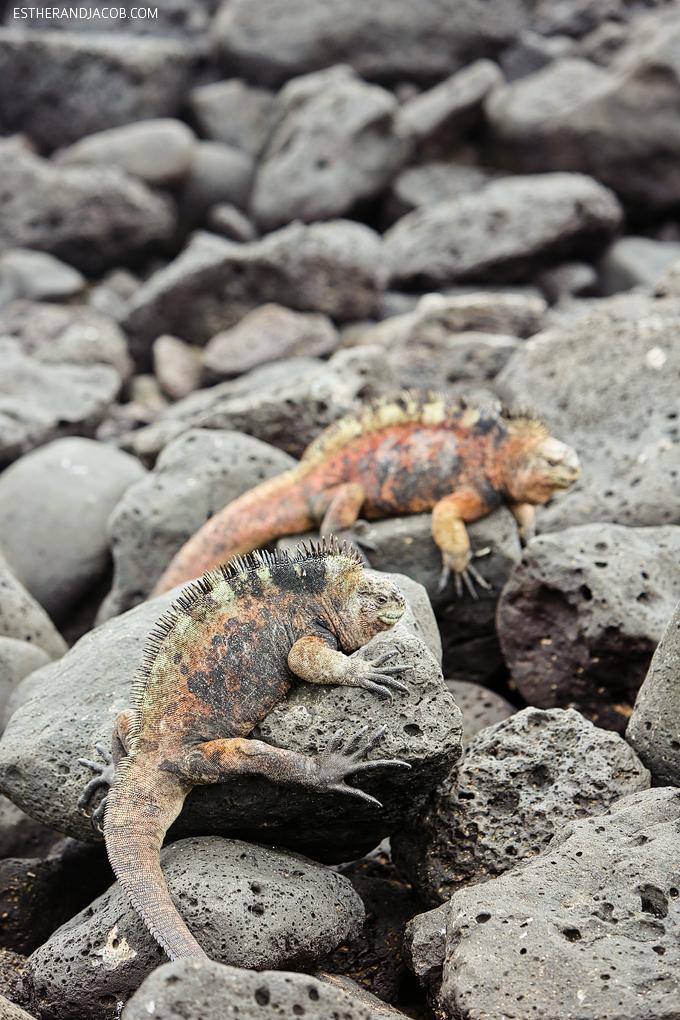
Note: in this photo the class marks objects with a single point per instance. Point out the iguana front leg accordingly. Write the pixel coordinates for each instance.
(449, 517)
(217, 761)
(313, 660)
(525, 515)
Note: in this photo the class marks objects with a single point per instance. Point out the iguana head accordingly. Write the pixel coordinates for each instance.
(541, 467)
(365, 605)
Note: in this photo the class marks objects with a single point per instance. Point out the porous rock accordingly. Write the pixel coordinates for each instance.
(249, 906)
(54, 505)
(479, 707)
(12, 985)
(471, 357)
(207, 991)
(17, 660)
(518, 783)
(269, 41)
(286, 403)
(37, 895)
(450, 108)
(589, 927)
(57, 333)
(268, 333)
(236, 113)
(581, 616)
(159, 151)
(334, 268)
(50, 731)
(195, 476)
(24, 619)
(11, 1011)
(60, 86)
(654, 727)
(36, 275)
(613, 122)
(40, 402)
(623, 423)
(501, 231)
(333, 147)
(92, 217)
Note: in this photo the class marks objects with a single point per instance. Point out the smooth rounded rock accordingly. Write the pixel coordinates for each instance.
(228, 221)
(249, 906)
(219, 173)
(54, 505)
(501, 231)
(195, 476)
(159, 151)
(37, 276)
(654, 727)
(518, 783)
(40, 402)
(176, 365)
(72, 705)
(266, 334)
(23, 619)
(17, 660)
(235, 113)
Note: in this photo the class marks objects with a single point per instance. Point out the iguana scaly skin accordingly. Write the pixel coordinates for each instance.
(400, 455)
(225, 652)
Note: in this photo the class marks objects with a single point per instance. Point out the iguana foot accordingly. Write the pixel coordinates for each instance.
(105, 777)
(467, 576)
(341, 759)
(374, 676)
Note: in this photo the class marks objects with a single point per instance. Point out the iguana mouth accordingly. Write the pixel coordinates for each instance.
(393, 617)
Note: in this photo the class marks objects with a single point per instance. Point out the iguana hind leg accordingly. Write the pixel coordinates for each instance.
(339, 509)
(218, 761)
(106, 773)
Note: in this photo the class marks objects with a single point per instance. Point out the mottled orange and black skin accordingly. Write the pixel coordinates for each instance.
(226, 652)
(406, 454)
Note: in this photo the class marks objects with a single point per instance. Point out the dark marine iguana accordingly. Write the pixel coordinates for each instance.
(230, 647)
(404, 454)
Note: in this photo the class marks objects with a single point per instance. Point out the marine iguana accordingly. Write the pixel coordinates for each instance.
(230, 647)
(403, 454)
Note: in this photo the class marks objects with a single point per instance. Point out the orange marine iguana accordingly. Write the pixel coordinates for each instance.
(404, 454)
(227, 650)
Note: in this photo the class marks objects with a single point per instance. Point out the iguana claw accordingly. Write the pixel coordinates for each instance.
(340, 759)
(375, 677)
(468, 576)
(105, 777)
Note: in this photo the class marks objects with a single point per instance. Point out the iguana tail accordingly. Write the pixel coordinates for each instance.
(142, 804)
(274, 508)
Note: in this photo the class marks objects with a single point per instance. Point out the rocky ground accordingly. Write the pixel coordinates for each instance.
(221, 228)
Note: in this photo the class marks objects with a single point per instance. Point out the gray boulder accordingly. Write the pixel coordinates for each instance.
(589, 927)
(195, 476)
(76, 334)
(334, 268)
(479, 707)
(204, 990)
(582, 614)
(441, 115)
(268, 333)
(17, 660)
(250, 906)
(470, 357)
(615, 123)
(654, 727)
(60, 86)
(636, 261)
(218, 173)
(269, 41)
(40, 402)
(286, 403)
(72, 705)
(159, 151)
(234, 112)
(502, 231)
(334, 146)
(54, 505)
(92, 217)
(518, 783)
(431, 182)
(36, 275)
(623, 423)
(23, 619)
